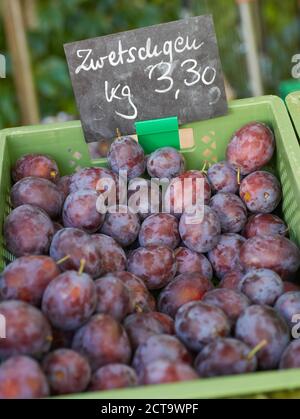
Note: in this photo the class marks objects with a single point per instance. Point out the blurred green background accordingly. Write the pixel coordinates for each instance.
(61, 21)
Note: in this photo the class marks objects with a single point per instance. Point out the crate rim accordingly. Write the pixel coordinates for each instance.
(293, 104)
(221, 387)
(209, 388)
(273, 100)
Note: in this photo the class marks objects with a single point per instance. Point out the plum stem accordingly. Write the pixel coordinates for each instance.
(118, 133)
(81, 267)
(138, 308)
(62, 260)
(204, 167)
(256, 349)
(239, 176)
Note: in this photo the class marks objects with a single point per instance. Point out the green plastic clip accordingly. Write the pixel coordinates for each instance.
(156, 133)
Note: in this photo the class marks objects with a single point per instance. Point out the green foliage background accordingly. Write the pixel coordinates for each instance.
(62, 21)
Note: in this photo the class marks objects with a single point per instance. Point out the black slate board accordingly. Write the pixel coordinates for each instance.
(159, 86)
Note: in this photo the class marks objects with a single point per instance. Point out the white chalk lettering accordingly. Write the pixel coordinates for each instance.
(121, 52)
(179, 41)
(296, 67)
(168, 50)
(113, 94)
(91, 65)
(209, 82)
(164, 76)
(154, 52)
(115, 58)
(131, 58)
(125, 94)
(196, 76)
(111, 57)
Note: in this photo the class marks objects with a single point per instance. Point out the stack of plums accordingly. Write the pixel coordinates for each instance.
(103, 301)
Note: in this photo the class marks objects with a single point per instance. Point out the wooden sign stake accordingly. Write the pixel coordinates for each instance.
(16, 37)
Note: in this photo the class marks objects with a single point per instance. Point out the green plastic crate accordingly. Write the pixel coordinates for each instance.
(65, 143)
(293, 105)
(287, 87)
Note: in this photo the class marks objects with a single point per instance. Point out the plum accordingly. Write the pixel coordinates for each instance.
(27, 330)
(273, 252)
(67, 371)
(261, 192)
(35, 165)
(187, 190)
(121, 224)
(232, 302)
(291, 356)
(63, 185)
(88, 178)
(113, 376)
(164, 371)
(98, 179)
(225, 357)
(200, 234)
(70, 300)
(160, 230)
(198, 323)
(251, 147)
(262, 286)
(189, 261)
(166, 162)
(231, 211)
(113, 297)
(72, 246)
(80, 211)
(231, 280)
(126, 154)
(102, 340)
(22, 378)
(183, 289)
(26, 279)
(264, 225)
(28, 231)
(288, 306)
(155, 265)
(259, 324)
(39, 192)
(225, 257)
(160, 347)
(223, 177)
(141, 298)
(112, 256)
(140, 326)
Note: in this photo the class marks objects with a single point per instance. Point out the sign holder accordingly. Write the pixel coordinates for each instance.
(156, 133)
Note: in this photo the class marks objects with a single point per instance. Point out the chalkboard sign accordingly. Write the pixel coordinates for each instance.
(171, 69)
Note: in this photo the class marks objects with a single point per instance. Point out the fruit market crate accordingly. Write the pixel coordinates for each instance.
(293, 105)
(65, 143)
